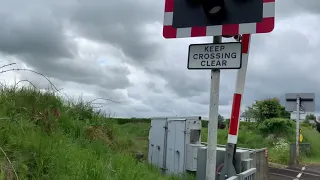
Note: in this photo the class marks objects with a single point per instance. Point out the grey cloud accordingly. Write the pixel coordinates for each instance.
(286, 64)
(120, 23)
(192, 86)
(173, 105)
(128, 104)
(42, 43)
(19, 36)
(287, 8)
(154, 87)
(41, 82)
(88, 74)
(117, 95)
(183, 83)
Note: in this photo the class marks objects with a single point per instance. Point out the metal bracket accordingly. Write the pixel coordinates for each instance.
(228, 170)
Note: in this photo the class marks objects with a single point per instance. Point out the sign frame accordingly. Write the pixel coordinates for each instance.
(266, 26)
(307, 102)
(240, 50)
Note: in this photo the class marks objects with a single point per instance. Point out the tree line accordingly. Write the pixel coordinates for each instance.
(261, 110)
(269, 108)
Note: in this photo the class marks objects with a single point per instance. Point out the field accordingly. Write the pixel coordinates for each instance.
(43, 137)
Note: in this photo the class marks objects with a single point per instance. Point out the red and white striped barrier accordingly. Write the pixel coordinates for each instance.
(237, 97)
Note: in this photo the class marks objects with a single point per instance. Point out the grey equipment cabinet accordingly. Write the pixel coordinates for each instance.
(173, 143)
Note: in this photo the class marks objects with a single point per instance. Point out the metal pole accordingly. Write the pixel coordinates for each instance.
(297, 130)
(213, 120)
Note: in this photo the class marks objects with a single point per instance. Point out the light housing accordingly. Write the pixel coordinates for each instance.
(199, 13)
(215, 10)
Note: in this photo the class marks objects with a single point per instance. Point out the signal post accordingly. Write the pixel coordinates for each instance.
(222, 19)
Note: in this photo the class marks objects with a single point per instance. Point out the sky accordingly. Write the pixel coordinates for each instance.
(115, 50)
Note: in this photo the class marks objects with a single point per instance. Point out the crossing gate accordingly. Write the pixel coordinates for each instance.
(246, 175)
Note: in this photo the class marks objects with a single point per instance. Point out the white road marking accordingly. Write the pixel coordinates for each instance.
(300, 174)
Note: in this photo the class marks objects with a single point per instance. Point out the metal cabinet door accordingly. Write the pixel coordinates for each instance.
(176, 146)
(156, 143)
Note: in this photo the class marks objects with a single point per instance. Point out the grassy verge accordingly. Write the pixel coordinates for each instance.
(313, 137)
(79, 144)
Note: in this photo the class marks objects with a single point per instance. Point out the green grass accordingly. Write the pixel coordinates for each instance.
(313, 137)
(80, 144)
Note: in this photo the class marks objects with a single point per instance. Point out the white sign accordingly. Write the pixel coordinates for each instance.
(215, 56)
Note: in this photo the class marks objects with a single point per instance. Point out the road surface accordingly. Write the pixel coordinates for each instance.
(307, 173)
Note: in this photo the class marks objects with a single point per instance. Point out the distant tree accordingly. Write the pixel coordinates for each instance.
(221, 123)
(284, 114)
(266, 109)
(317, 125)
(310, 117)
(227, 122)
(250, 114)
(220, 118)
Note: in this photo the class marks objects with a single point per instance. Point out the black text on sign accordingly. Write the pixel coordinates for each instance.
(215, 56)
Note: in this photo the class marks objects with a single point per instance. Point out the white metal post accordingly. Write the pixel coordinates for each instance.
(297, 130)
(213, 120)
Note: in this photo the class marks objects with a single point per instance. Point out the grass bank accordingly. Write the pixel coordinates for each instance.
(313, 137)
(78, 144)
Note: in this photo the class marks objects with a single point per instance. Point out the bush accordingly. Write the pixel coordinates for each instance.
(221, 124)
(278, 126)
(318, 127)
(227, 121)
(204, 124)
(247, 125)
(280, 151)
(307, 122)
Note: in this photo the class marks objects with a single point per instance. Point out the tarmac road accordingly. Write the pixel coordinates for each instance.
(313, 168)
(309, 173)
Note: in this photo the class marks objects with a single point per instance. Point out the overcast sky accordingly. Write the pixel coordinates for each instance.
(115, 49)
